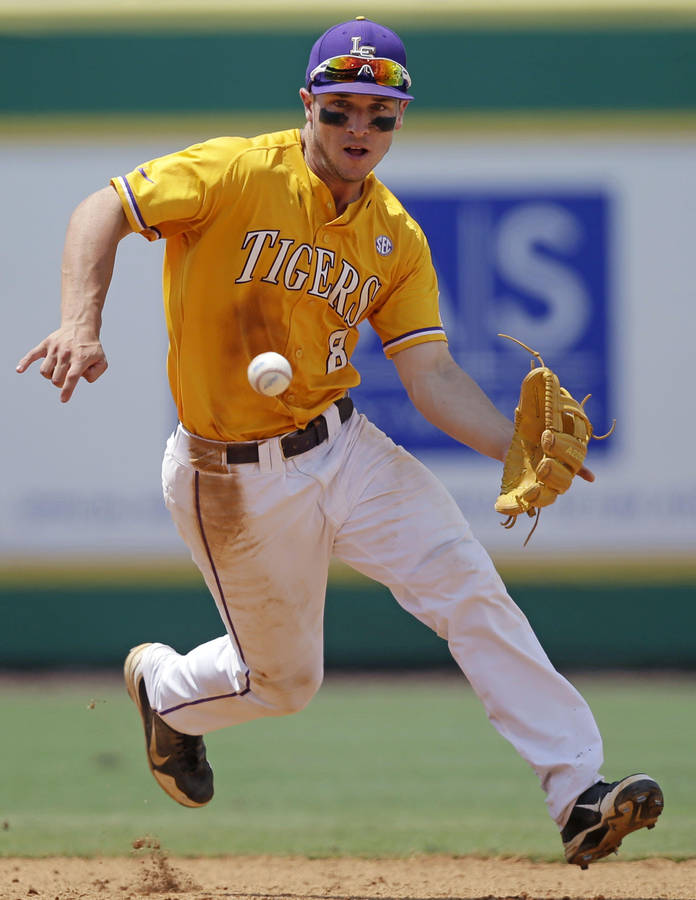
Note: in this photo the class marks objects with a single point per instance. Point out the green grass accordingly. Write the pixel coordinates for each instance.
(373, 767)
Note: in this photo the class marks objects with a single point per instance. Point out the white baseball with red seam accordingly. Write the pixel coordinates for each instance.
(269, 373)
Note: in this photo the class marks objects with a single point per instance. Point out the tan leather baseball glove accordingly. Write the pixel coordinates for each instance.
(548, 446)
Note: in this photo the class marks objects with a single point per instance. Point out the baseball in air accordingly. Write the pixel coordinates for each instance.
(269, 373)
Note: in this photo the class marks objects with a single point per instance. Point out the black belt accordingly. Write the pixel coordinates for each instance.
(294, 443)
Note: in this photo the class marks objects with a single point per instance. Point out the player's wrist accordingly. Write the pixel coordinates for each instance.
(86, 324)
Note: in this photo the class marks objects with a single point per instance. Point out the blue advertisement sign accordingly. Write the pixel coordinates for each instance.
(531, 264)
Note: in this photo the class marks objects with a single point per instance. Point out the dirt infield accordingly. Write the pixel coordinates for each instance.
(151, 873)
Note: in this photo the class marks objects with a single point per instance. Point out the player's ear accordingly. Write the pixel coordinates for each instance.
(400, 114)
(307, 101)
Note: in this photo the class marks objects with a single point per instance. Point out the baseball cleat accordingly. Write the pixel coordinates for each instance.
(177, 760)
(605, 813)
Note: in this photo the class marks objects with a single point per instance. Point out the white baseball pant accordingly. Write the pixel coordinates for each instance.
(263, 534)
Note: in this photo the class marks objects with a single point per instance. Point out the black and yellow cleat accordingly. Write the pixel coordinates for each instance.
(177, 760)
(605, 813)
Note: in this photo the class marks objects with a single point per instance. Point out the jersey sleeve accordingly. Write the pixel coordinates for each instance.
(177, 192)
(410, 313)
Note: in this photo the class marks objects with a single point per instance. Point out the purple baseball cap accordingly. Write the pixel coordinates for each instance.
(362, 39)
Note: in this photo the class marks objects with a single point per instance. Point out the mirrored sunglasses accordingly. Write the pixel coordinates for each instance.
(385, 72)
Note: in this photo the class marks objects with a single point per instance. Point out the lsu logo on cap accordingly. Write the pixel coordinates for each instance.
(384, 245)
(367, 52)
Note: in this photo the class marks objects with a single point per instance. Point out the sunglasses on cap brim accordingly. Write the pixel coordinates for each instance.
(382, 71)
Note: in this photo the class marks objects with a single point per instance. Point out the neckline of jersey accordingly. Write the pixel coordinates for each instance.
(325, 198)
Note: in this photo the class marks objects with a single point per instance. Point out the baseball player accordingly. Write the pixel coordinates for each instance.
(287, 242)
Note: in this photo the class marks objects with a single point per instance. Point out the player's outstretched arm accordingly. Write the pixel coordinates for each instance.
(74, 350)
(452, 401)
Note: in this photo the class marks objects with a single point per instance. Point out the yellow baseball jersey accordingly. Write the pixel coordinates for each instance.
(256, 259)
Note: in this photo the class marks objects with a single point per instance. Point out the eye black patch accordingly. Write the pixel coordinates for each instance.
(381, 123)
(332, 118)
(384, 123)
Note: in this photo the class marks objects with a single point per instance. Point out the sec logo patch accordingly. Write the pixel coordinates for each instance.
(384, 245)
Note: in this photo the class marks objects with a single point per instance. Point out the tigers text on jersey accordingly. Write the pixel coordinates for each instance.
(256, 260)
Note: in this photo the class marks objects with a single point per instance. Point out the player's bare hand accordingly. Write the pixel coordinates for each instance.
(68, 354)
(586, 473)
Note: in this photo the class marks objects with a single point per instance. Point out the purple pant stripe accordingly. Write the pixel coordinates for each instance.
(214, 571)
(172, 709)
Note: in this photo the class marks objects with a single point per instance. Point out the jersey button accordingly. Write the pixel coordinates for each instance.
(298, 353)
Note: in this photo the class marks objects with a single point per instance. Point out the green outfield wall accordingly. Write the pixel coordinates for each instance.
(647, 620)
(456, 68)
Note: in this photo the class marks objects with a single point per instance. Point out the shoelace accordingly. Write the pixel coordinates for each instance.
(189, 750)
